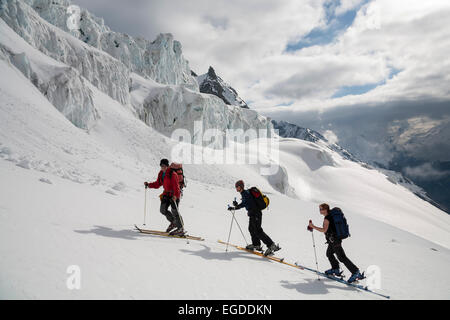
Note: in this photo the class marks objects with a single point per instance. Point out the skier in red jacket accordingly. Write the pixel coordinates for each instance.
(168, 178)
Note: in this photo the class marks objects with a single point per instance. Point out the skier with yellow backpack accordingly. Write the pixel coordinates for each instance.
(254, 201)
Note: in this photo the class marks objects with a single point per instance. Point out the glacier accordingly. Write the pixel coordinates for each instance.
(161, 59)
(167, 108)
(98, 67)
(62, 85)
(152, 78)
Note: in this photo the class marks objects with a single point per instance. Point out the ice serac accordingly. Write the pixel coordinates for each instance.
(161, 60)
(167, 108)
(62, 85)
(166, 97)
(211, 83)
(102, 70)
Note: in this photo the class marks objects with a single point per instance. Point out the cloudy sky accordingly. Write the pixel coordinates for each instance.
(303, 54)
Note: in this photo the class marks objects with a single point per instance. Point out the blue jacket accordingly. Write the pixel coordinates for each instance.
(248, 202)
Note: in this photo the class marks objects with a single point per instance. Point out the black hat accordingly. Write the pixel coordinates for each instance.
(164, 162)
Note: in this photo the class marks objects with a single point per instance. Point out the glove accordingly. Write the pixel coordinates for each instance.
(235, 203)
(231, 208)
(309, 228)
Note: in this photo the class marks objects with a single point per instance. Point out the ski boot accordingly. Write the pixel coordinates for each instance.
(356, 276)
(270, 250)
(334, 273)
(252, 247)
(171, 227)
(178, 232)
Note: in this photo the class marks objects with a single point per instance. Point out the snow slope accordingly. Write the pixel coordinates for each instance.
(321, 176)
(70, 197)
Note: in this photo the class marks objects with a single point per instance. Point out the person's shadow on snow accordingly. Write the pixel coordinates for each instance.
(111, 233)
(208, 254)
(314, 286)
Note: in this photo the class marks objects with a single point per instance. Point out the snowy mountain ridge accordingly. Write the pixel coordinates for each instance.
(211, 83)
(289, 130)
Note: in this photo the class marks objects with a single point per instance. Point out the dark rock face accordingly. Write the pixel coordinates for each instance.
(289, 130)
(211, 83)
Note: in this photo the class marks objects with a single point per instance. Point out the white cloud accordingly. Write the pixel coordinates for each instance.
(331, 136)
(425, 172)
(316, 76)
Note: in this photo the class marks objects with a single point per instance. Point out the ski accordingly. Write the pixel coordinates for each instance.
(341, 280)
(167, 234)
(276, 259)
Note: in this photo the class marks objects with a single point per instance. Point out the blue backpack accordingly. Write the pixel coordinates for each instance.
(340, 223)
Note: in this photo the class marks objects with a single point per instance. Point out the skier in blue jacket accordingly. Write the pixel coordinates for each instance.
(255, 221)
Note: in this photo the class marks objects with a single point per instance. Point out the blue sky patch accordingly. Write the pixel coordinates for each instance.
(335, 25)
(285, 104)
(357, 90)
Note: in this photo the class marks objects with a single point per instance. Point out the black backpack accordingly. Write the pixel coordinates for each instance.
(340, 223)
(262, 201)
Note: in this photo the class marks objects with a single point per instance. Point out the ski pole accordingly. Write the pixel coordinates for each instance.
(229, 233)
(234, 217)
(145, 203)
(315, 254)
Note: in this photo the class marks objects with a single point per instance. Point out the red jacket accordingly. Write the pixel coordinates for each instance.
(170, 183)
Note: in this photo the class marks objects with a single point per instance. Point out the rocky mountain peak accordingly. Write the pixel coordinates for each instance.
(212, 73)
(211, 83)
